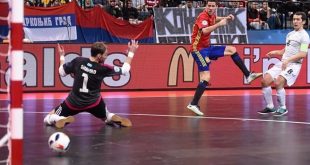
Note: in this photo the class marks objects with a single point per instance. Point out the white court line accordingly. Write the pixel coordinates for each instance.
(128, 96)
(218, 118)
(199, 117)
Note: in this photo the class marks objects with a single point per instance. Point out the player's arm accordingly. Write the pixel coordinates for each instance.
(303, 51)
(229, 17)
(64, 69)
(210, 29)
(132, 47)
(297, 57)
(275, 53)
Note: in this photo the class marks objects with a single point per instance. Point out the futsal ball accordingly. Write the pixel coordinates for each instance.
(59, 142)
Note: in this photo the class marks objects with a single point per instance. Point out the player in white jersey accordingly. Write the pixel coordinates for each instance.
(286, 71)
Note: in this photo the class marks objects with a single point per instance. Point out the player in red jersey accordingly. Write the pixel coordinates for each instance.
(85, 94)
(203, 52)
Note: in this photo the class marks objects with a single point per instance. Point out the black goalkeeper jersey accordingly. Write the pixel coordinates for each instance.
(88, 77)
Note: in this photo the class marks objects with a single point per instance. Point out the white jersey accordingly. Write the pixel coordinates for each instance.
(294, 40)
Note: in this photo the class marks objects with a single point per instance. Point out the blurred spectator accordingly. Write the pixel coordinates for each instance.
(186, 4)
(170, 3)
(46, 3)
(64, 1)
(88, 4)
(55, 3)
(183, 4)
(264, 12)
(254, 21)
(189, 4)
(308, 20)
(143, 12)
(28, 3)
(130, 13)
(233, 4)
(152, 3)
(114, 9)
(101, 3)
(138, 3)
(269, 16)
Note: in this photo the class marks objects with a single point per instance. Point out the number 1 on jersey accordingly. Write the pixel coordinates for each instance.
(85, 80)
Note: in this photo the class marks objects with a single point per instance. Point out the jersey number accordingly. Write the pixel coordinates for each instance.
(85, 80)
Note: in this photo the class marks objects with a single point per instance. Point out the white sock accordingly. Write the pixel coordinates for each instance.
(267, 93)
(109, 116)
(281, 97)
(51, 119)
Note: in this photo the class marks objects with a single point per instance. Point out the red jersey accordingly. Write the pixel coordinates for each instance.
(200, 40)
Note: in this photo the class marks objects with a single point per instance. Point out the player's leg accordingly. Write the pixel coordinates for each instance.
(232, 51)
(100, 111)
(203, 62)
(281, 94)
(289, 77)
(267, 94)
(113, 119)
(59, 117)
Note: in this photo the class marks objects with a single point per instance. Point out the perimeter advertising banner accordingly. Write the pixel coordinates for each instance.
(154, 67)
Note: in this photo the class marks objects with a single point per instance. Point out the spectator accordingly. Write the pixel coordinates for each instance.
(143, 12)
(189, 4)
(46, 3)
(233, 4)
(186, 4)
(130, 13)
(64, 1)
(56, 3)
(101, 3)
(152, 3)
(88, 4)
(170, 3)
(268, 16)
(28, 3)
(254, 22)
(113, 9)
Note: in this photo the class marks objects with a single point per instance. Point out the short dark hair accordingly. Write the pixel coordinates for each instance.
(216, 1)
(98, 48)
(303, 15)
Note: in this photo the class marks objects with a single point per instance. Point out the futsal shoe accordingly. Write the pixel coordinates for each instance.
(267, 111)
(195, 109)
(280, 112)
(119, 121)
(253, 76)
(62, 122)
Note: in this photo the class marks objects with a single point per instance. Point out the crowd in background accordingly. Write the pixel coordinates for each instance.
(260, 14)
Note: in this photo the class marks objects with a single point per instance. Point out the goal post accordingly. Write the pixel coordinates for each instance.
(16, 82)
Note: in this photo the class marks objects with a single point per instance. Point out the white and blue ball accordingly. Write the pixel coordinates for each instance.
(59, 142)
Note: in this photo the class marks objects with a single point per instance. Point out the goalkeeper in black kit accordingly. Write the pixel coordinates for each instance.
(85, 94)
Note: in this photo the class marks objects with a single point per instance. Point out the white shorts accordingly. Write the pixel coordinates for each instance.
(290, 73)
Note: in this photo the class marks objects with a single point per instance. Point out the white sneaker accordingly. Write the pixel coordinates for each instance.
(253, 76)
(195, 109)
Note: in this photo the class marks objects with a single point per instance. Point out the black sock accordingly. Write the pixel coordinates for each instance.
(199, 91)
(237, 60)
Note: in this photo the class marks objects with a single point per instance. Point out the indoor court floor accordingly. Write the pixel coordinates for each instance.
(164, 132)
